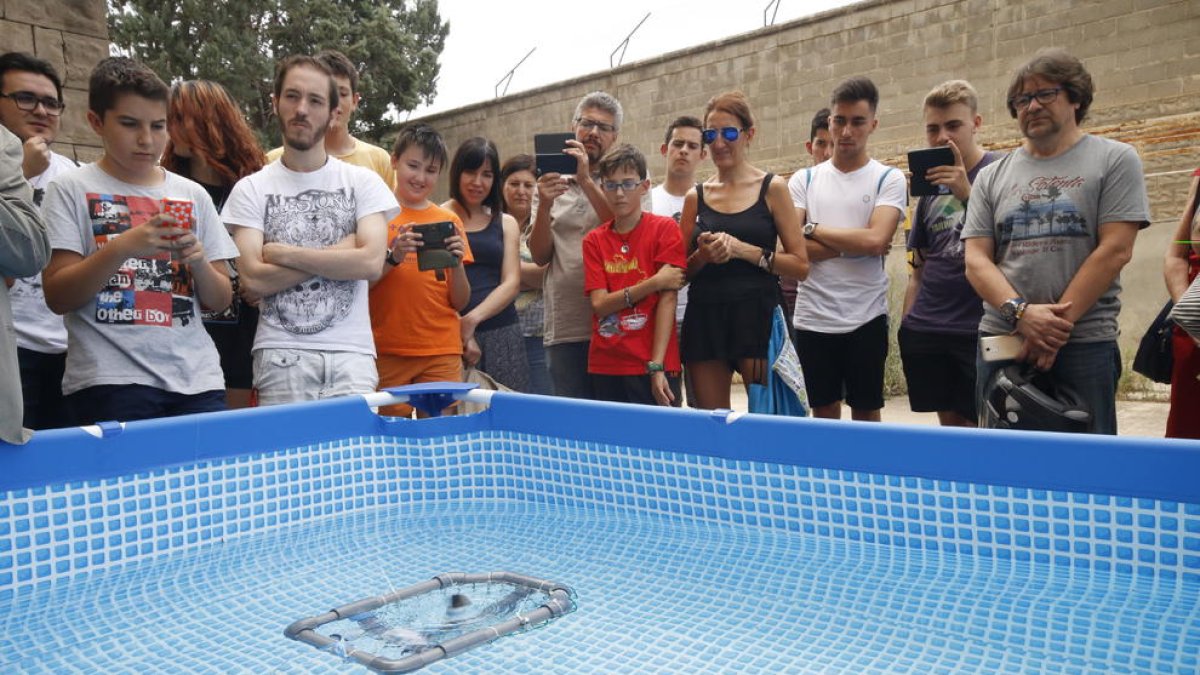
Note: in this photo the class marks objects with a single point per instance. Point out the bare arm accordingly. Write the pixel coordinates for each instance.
(459, 286)
(664, 325)
(213, 288)
(875, 239)
(541, 241)
(257, 278)
(71, 280)
(1113, 251)
(1044, 326)
(363, 261)
(1175, 263)
(510, 281)
(532, 276)
(667, 278)
(815, 250)
(910, 290)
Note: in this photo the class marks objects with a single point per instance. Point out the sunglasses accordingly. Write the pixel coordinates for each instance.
(730, 134)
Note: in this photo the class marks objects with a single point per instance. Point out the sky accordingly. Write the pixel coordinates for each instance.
(577, 38)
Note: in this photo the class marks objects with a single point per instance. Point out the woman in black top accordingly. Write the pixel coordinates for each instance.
(734, 223)
(490, 329)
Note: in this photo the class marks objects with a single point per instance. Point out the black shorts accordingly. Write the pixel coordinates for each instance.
(845, 365)
(940, 371)
(631, 388)
(234, 339)
(727, 330)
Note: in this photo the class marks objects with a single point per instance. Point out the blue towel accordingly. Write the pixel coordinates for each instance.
(784, 393)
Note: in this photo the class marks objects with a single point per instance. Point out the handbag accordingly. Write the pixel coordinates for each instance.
(1155, 357)
(1186, 312)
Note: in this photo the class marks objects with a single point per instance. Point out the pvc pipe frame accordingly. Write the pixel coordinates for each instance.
(561, 602)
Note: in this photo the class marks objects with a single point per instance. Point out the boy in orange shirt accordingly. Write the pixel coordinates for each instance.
(633, 268)
(414, 313)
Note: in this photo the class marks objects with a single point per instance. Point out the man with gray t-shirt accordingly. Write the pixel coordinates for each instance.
(1048, 230)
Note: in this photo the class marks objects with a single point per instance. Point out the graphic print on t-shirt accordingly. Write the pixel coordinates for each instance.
(311, 219)
(146, 291)
(946, 213)
(1045, 213)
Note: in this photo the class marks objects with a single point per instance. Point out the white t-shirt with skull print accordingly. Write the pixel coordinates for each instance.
(316, 209)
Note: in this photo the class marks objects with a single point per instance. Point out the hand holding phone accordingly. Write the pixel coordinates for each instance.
(432, 255)
(920, 162)
(549, 156)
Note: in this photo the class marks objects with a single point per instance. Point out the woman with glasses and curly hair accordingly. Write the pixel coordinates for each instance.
(733, 223)
(211, 144)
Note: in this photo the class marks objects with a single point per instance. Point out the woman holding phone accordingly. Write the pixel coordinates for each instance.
(734, 223)
(490, 328)
(211, 144)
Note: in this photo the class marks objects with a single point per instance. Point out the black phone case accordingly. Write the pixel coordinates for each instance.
(920, 161)
(548, 154)
(433, 254)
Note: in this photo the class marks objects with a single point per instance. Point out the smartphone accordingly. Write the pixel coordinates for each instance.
(433, 254)
(1001, 347)
(183, 210)
(920, 161)
(549, 156)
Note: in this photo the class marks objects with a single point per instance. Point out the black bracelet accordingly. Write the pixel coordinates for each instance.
(391, 260)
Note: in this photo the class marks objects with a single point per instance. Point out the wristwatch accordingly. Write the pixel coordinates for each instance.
(391, 259)
(1012, 310)
(810, 230)
(653, 367)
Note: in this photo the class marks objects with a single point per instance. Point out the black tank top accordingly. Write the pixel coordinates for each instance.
(736, 278)
(487, 248)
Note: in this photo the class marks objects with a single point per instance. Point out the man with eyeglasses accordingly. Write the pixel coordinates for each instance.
(31, 107)
(565, 209)
(850, 206)
(1049, 228)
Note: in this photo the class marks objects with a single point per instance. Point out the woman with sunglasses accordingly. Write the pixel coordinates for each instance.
(734, 224)
(211, 143)
(491, 331)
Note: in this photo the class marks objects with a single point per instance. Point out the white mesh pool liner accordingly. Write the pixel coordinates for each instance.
(410, 628)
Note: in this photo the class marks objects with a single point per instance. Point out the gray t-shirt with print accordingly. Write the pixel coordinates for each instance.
(1044, 216)
(143, 327)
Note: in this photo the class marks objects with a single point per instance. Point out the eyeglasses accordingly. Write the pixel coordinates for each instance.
(1043, 96)
(29, 101)
(627, 185)
(730, 134)
(588, 124)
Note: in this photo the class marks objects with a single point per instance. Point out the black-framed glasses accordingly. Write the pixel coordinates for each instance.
(730, 134)
(28, 101)
(628, 185)
(1042, 96)
(602, 127)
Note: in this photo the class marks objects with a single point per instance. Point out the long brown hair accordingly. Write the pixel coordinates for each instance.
(203, 117)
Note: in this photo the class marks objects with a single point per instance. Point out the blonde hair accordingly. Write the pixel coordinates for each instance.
(951, 92)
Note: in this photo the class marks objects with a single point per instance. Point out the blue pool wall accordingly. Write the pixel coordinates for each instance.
(72, 504)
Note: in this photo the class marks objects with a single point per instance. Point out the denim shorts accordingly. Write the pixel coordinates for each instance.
(289, 375)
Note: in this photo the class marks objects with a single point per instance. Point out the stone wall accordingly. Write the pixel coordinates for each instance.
(1143, 54)
(72, 35)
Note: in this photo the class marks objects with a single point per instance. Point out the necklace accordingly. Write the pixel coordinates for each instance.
(624, 240)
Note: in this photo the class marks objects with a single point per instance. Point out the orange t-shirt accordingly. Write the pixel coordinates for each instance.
(411, 314)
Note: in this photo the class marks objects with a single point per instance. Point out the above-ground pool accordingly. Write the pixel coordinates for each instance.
(693, 541)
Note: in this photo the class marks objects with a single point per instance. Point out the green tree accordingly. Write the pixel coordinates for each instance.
(395, 43)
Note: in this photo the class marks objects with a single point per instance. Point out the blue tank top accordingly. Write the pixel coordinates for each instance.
(487, 248)
(736, 278)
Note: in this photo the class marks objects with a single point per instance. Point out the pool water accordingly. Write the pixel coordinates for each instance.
(655, 594)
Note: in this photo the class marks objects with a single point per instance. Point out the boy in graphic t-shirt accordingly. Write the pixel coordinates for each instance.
(633, 267)
(414, 313)
(130, 277)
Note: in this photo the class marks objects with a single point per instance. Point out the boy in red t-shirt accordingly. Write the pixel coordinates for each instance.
(633, 266)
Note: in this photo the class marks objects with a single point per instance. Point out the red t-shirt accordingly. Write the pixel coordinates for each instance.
(622, 342)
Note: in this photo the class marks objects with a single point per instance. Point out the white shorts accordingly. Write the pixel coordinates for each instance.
(289, 375)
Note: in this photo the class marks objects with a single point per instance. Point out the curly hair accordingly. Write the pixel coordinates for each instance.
(203, 117)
